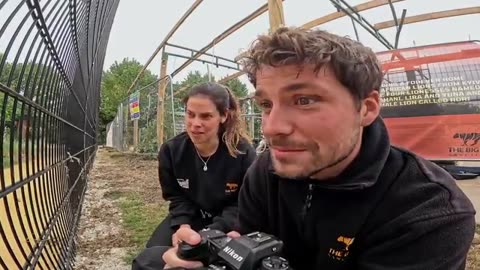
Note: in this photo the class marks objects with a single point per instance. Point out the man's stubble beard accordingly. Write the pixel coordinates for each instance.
(316, 165)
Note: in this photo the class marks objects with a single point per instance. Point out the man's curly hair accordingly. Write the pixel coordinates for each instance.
(353, 64)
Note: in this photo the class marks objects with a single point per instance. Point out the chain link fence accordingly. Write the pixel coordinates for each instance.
(122, 131)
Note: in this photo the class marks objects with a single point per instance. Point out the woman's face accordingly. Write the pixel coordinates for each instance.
(202, 119)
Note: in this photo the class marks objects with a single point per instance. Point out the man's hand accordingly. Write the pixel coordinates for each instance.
(189, 236)
(175, 239)
(233, 234)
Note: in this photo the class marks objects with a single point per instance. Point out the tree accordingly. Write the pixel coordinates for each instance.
(115, 84)
(148, 141)
(238, 88)
(15, 76)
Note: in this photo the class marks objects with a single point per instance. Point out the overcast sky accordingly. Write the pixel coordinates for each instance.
(140, 26)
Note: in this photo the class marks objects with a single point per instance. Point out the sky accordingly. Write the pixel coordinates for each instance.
(140, 26)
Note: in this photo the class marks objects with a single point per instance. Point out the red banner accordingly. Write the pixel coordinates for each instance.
(438, 137)
(431, 99)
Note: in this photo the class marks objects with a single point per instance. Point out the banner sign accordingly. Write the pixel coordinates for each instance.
(431, 99)
(134, 106)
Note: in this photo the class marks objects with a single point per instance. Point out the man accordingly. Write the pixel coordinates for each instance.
(331, 186)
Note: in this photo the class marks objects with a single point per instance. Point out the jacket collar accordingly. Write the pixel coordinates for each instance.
(364, 170)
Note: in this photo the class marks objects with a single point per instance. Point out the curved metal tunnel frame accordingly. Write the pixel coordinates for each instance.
(50, 74)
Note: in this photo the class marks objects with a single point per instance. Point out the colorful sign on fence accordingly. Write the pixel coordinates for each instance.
(134, 105)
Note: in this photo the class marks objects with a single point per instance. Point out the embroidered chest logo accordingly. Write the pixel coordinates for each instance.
(231, 188)
(205, 214)
(341, 251)
(184, 183)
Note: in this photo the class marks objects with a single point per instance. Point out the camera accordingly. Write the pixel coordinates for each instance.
(253, 251)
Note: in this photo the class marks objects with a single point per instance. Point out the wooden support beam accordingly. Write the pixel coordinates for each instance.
(223, 35)
(336, 15)
(430, 16)
(340, 14)
(231, 77)
(162, 44)
(275, 14)
(182, 89)
(161, 99)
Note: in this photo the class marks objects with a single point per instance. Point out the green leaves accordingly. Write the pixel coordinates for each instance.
(115, 84)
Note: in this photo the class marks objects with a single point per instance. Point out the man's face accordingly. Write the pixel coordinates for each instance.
(310, 120)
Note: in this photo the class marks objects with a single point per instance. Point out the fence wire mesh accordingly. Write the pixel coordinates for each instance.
(124, 135)
(51, 60)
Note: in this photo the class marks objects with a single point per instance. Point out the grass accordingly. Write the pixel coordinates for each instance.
(6, 150)
(473, 259)
(124, 196)
(139, 220)
(114, 195)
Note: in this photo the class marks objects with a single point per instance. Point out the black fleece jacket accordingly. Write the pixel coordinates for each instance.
(390, 209)
(194, 193)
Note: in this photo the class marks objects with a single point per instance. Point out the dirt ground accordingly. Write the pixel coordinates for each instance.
(472, 190)
(103, 239)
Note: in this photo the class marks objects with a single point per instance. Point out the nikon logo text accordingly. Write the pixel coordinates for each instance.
(233, 254)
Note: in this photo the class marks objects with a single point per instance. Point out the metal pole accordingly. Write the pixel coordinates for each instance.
(352, 13)
(399, 28)
(193, 52)
(173, 106)
(199, 60)
(208, 72)
(394, 14)
(355, 29)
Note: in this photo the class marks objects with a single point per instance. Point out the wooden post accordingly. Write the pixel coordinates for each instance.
(275, 14)
(135, 134)
(161, 98)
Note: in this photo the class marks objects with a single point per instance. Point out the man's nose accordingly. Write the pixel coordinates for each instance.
(277, 122)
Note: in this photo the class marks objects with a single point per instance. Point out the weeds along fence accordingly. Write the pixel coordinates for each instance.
(126, 135)
(51, 61)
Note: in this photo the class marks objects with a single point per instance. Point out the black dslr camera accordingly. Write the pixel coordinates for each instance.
(254, 251)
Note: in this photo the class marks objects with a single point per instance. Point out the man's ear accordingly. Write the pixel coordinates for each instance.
(370, 108)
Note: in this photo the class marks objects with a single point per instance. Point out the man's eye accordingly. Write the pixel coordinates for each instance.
(304, 101)
(264, 105)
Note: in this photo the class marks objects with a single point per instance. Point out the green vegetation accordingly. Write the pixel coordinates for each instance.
(115, 83)
(140, 220)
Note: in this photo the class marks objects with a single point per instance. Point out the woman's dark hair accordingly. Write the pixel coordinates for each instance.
(233, 130)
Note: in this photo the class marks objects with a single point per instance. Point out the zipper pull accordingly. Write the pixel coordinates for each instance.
(308, 201)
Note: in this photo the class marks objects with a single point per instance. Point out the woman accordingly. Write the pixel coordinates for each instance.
(201, 170)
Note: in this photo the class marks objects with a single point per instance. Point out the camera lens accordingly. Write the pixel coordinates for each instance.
(274, 263)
